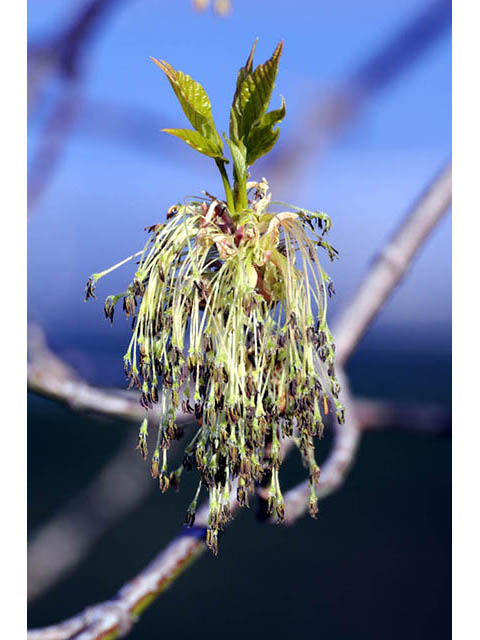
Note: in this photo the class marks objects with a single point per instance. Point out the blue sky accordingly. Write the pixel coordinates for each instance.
(104, 192)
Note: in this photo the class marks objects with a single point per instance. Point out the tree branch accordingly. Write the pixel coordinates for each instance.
(63, 542)
(379, 415)
(49, 376)
(392, 263)
(60, 57)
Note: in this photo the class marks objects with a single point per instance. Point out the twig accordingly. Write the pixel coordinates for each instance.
(62, 57)
(64, 541)
(113, 618)
(49, 376)
(392, 263)
(66, 49)
(376, 415)
(53, 140)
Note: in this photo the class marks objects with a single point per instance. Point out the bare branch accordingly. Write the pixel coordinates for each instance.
(376, 415)
(64, 541)
(392, 263)
(49, 376)
(115, 617)
(66, 49)
(61, 57)
(53, 140)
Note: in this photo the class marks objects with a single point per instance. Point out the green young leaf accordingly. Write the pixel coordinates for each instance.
(243, 72)
(197, 142)
(263, 136)
(261, 141)
(195, 103)
(274, 117)
(253, 93)
(247, 69)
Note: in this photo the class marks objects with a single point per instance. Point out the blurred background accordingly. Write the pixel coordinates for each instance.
(368, 93)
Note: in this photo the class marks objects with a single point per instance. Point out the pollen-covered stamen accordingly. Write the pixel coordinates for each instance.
(230, 324)
(142, 439)
(90, 289)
